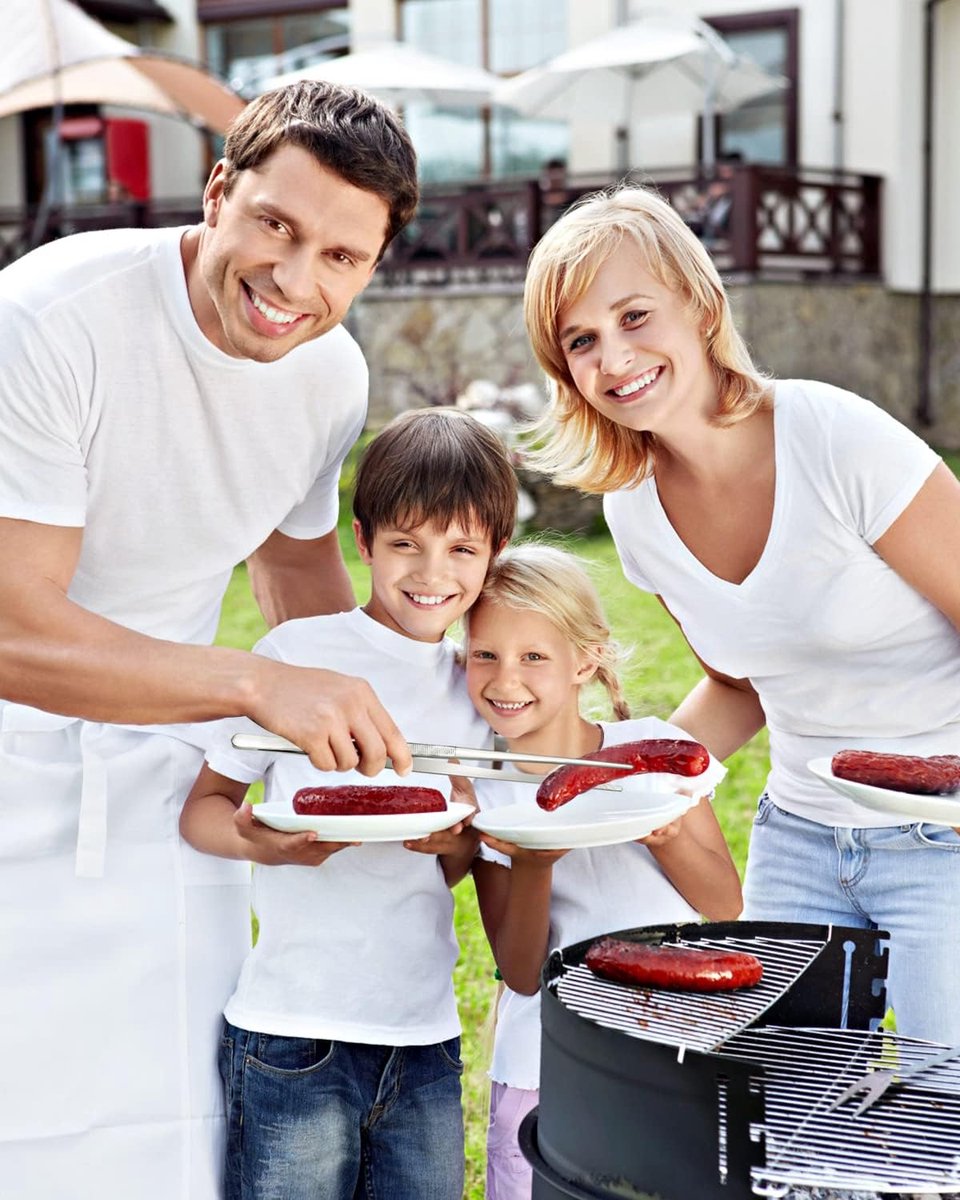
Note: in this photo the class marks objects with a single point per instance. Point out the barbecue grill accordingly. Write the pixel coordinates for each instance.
(725, 1096)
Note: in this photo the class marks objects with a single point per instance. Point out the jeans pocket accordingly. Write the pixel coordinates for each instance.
(449, 1051)
(288, 1055)
(937, 837)
(765, 807)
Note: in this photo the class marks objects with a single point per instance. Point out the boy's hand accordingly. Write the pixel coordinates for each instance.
(271, 848)
(452, 840)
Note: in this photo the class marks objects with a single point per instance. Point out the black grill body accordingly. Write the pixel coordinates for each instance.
(638, 1114)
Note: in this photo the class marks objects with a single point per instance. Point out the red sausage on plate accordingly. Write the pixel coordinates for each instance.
(644, 757)
(899, 772)
(678, 968)
(366, 800)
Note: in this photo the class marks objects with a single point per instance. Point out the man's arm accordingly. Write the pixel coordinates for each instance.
(295, 578)
(56, 655)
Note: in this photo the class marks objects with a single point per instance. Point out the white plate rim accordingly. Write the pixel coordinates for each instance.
(942, 808)
(587, 834)
(392, 827)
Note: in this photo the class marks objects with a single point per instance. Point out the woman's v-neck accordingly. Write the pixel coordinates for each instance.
(780, 493)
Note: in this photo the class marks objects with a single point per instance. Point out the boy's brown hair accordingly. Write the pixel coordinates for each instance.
(439, 465)
(345, 130)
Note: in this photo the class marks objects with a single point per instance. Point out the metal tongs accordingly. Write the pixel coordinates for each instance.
(431, 759)
(875, 1083)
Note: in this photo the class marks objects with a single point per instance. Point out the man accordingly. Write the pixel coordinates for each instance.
(172, 402)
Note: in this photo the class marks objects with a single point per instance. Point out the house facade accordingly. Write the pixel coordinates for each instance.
(870, 106)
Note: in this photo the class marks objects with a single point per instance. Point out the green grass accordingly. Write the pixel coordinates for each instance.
(658, 674)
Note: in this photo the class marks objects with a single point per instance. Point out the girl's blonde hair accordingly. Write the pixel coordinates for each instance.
(554, 583)
(579, 447)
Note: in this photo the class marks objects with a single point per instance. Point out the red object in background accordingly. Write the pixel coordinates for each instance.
(128, 158)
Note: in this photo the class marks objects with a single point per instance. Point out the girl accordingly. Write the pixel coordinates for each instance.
(807, 544)
(535, 637)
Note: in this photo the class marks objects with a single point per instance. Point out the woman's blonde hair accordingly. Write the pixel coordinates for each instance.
(555, 583)
(577, 446)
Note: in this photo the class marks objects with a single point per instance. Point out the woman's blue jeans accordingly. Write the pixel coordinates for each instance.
(319, 1120)
(901, 878)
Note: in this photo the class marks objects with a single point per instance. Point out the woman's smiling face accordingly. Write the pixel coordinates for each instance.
(633, 348)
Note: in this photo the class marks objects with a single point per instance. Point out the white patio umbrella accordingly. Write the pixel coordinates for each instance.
(398, 74)
(52, 54)
(659, 64)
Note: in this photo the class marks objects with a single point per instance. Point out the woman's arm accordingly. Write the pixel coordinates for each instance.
(215, 820)
(515, 910)
(693, 854)
(721, 712)
(923, 543)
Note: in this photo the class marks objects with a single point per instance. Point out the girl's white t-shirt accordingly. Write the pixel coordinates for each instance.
(597, 890)
(177, 459)
(842, 652)
(361, 948)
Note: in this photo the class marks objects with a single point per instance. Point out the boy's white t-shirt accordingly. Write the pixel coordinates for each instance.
(361, 948)
(842, 652)
(176, 458)
(595, 891)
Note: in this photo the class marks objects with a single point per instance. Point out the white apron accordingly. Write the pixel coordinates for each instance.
(119, 946)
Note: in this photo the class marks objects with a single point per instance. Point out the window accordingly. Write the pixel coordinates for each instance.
(504, 36)
(764, 130)
(250, 50)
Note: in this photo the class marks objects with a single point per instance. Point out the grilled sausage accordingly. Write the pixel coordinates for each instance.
(675, 967)
(901, 772)
(366, 800)
(645, 757)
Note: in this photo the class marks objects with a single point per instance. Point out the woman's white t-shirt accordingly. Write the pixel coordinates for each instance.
(594, 891)
(842, 652)
(361, 948)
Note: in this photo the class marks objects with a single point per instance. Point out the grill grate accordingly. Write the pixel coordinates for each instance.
(700, 1021)
(909, 1141)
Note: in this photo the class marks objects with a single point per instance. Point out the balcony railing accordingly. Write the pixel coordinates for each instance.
(769, 222)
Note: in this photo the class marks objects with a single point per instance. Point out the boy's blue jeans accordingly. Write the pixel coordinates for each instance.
(318, 1120)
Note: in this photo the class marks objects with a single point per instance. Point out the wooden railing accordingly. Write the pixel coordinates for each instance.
(776, 221)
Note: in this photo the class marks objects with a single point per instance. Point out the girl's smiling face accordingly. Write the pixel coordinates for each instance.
(523, 675)
(634, 350)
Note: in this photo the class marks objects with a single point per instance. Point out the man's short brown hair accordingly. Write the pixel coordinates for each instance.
(439, 465)
(345, 130)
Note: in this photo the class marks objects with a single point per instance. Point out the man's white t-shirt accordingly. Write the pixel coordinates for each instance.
(361, 948)
(594, 891)
(842, 652)
(177, 459)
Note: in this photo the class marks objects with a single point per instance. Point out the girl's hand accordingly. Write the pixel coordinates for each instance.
(522, 854)
(660, 837)
(271, 848)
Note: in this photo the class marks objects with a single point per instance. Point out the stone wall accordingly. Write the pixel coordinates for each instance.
(425, 345)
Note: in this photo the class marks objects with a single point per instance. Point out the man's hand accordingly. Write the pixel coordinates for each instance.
(274, 849)
(337, 719)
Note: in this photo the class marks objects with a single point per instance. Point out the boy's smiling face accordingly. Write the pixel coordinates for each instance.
(423, 578)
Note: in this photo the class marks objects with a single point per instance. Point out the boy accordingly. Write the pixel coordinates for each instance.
(340, 1054)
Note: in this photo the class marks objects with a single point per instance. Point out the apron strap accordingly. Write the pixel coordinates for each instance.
(92, 826)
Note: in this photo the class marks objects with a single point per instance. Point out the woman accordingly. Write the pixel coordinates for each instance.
(806, 543)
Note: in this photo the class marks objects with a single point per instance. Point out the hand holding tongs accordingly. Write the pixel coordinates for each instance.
(875, 1083)
(431, 759)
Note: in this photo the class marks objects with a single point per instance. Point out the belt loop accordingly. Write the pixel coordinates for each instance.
(92, 827)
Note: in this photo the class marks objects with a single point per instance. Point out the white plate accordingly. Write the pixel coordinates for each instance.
(940, 809)
(395, 827)
(590, 819)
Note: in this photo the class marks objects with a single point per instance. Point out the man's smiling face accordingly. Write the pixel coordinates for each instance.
(282, 256)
